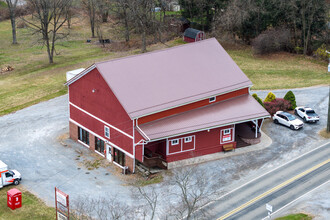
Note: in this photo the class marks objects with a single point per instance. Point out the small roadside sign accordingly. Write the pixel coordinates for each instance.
(269, 208)
(61, 205)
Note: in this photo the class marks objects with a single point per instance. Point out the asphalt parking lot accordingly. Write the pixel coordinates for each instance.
(30, 144)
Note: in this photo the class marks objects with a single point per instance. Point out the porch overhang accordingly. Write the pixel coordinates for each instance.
(233, 111)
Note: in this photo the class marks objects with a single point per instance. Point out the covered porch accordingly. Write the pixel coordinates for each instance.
(248, 133)
(210, 127)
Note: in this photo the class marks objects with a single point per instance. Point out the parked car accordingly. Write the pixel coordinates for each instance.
(287, 119)
(307, 114)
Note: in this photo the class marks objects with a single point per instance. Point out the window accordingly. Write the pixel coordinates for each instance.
(175, 142)
(106, 131)
(99, 145)
(83, 135)
(187, 139)
(226, 131)
(119, 157)
(212, 99)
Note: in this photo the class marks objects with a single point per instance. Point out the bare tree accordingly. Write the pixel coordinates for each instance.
(195, 189)
(150, 196)
(102, 208)
(91, 8)
(103, 7)
(12, 13)
(123, 13)
(50, 16)
(142, 15)
(232, 18)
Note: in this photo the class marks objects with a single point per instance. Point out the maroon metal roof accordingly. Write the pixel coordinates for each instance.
(164, 79)
(242, 108)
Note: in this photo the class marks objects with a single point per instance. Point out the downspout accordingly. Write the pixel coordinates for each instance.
(138, 143)
(144, 134)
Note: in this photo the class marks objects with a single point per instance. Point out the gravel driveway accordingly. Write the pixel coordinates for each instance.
(29, 143)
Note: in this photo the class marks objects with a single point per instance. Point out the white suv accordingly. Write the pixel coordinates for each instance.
(288, 120)
(307, 114)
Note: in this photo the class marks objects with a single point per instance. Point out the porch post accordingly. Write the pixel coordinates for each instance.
(256, 123)
(262, 121)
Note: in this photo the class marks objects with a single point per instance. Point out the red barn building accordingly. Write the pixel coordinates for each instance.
(162, 107)
(193, 35)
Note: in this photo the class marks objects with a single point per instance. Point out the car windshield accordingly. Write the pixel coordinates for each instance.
(310, 112)
(290, 117)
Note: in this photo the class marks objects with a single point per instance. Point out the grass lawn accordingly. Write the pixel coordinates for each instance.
(281, 70)
(34, 80)
(32, 207)
(299, 216)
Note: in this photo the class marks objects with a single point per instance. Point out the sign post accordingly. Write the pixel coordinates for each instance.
(270, 210)
(62, 205)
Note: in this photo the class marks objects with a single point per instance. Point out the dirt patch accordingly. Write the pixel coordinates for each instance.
(62, 139)
(323, 133)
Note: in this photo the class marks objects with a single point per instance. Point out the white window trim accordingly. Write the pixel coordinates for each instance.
(118, 164)
(99, 153)
(182, 141)
(232, 133)
(226, 131)
(214, 98)
(105, 131)
(86, 145)
(175, 140)
(189, 140)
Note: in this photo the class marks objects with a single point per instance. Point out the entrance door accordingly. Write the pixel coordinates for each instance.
(8, 178)
(109, 155)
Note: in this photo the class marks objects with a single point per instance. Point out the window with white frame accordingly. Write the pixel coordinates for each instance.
(175, 142)
(226, 131)
(188, 139)
(212, 99)
(106, 131)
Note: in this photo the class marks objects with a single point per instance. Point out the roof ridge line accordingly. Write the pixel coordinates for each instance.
(152, 52)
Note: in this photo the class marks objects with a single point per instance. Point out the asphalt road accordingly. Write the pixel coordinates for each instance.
(278, 187)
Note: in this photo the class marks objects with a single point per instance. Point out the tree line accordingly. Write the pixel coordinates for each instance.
(303, 22)
(269, 25)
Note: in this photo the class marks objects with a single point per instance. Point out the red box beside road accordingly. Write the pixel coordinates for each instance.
(14, 199)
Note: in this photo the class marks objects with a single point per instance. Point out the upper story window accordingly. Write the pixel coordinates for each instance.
(106, 131)
(212, 99)
(175, 141)
(188, 139)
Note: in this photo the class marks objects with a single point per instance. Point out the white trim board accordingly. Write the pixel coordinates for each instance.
(187, 103)
(106, 141)
(111, 126)
(207, 128)
(181, 139)
(81, 74)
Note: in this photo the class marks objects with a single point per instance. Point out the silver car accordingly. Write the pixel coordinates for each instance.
(288, 120)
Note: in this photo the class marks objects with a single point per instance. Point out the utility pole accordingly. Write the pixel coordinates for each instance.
(328, 126)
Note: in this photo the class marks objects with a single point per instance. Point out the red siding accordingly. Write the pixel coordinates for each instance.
(191, 106)
(206, 142)
(103, 104)
(189, 40)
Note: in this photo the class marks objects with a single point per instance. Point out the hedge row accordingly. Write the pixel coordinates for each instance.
(273, 104)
